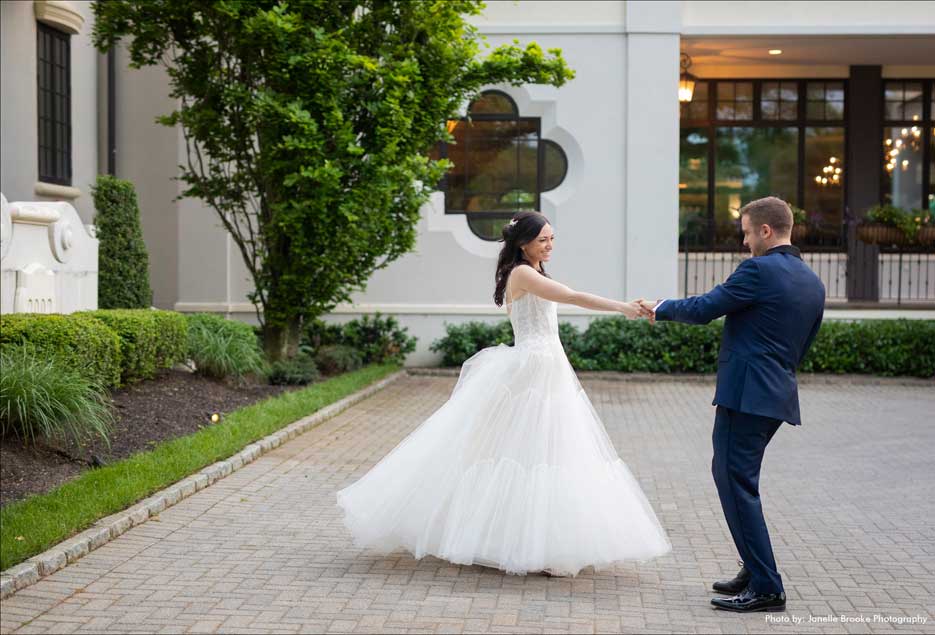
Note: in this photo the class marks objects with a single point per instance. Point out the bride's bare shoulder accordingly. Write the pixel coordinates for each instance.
(523, 271)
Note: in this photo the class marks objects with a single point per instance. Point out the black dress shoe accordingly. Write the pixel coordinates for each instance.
(750, 601)
(735, 586)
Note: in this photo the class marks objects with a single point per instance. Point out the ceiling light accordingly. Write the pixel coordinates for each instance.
(775, 51)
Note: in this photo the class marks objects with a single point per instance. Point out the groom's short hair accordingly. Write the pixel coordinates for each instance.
(771, 211)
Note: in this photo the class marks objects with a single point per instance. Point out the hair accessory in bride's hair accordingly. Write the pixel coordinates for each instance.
(512, 222)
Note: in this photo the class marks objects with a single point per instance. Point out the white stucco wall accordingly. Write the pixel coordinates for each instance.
(803, 18)
(19, 135)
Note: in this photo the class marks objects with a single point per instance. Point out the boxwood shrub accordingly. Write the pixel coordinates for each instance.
(82, 342)
(880, 347)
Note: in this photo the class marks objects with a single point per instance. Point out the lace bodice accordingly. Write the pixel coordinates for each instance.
(534, 320)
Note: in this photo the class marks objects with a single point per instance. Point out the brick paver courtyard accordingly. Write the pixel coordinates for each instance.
(848, 498)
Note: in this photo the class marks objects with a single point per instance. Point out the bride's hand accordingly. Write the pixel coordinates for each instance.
(633, 310)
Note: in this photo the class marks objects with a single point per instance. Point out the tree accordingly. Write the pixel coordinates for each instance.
(308, 125)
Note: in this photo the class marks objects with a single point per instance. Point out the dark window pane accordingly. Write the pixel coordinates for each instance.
(824, 184)
(53, 105)
(701, 92)
(744, 91)
(931, 193)
(693, 186)
(815, 110)
(894, 111)
(555, 165)
(770, 109)
(913, 111)
(893, 91)
(751, 163)
(743, 111)
(789, 92)
(725, 110)
(834, 110)
(725, 91)
(789, 111)
(902, 169)
(492, 103)
(834, 91)
(770, 91)
(486, 227)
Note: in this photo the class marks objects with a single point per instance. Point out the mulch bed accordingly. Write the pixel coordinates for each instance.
(173, 404)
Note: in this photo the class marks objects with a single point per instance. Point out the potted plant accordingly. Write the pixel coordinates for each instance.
(799, 227)
(887, 225)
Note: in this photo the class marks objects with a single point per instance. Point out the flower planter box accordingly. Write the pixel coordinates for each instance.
(879, 234)
(926, 236)
(799, 232)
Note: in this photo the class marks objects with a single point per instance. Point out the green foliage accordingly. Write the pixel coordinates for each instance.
(378, 339)
(896, 217)
(337, 358)
(881, 347)
(463, 340)
(42, 398)
(81, 342)
(137, 331)
(308, 126)
(171, 338)
(299, 370)
(123, 262)
(799, 216)
(223, 348)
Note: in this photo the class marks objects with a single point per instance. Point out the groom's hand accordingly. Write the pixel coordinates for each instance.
(647, 309)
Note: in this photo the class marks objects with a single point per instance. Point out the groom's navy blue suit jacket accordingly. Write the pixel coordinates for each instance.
(774, 304)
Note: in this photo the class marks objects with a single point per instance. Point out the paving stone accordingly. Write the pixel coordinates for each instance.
(263, 548)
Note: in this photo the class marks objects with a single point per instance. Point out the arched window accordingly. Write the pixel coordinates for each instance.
(501, 164)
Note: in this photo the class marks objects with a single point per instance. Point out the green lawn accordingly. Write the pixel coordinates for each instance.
(32, 525)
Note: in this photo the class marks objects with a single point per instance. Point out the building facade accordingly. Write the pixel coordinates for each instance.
(642, 189)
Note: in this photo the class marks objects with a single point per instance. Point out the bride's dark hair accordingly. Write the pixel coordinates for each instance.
(522, 229)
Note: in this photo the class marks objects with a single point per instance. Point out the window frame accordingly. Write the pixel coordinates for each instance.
(926, 122)
(59, 144)
(711, 124)
(540, 162)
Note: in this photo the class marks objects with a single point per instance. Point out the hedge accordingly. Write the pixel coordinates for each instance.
(82, 342)
(880, 347)
(110, 346)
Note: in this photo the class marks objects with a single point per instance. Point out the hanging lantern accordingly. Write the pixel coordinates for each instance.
(686, 80)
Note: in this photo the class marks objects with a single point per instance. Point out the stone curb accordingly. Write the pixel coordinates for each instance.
(705, 378)
(106, 529)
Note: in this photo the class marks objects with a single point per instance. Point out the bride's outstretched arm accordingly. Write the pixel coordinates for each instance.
(527, 279)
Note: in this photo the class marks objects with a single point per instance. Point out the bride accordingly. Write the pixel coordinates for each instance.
(515, 471)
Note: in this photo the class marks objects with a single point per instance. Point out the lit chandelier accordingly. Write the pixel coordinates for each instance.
(909, 138)
(831, 173)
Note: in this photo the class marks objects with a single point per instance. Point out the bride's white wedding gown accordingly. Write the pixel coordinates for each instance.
(514, 471)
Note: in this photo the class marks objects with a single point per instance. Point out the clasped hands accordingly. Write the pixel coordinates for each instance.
(640, 308)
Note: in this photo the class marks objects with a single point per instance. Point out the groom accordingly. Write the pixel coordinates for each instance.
(774, 304)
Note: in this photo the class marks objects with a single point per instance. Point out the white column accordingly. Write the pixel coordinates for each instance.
(652, 149)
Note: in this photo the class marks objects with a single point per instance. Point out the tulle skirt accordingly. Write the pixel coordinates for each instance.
(514, 471)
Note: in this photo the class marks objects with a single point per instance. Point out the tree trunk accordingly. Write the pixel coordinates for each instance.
(282, 342)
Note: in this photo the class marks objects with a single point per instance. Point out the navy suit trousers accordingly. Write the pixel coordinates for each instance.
(740, 440)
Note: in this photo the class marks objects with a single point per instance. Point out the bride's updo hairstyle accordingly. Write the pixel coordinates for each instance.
(522, 229)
